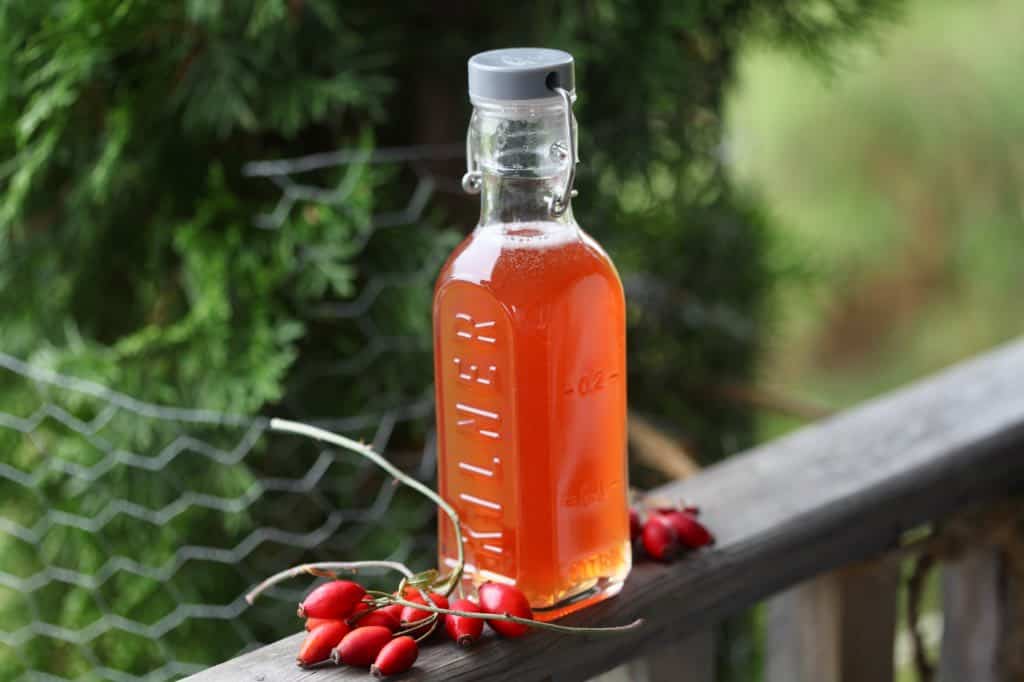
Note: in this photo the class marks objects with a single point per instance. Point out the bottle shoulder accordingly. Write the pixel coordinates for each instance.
(490, 255)
(599, 253)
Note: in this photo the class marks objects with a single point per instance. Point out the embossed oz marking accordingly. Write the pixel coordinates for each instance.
(591, 382)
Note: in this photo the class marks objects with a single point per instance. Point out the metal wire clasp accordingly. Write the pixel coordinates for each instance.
(560, 201)
(473, 180)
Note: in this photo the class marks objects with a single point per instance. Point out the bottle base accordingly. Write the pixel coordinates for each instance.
(605, 580)
(601, 589)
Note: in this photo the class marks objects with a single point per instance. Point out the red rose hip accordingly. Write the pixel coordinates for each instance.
(336, 599)
(463, 630)
(505, 599)
(659, 538)
(690, 532)
(317, 646)
(412, 615)
(396, 657)
(375, 618)
(314, 623)
(360, 647)
(393, 610)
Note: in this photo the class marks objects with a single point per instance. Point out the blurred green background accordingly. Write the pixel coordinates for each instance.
(810, 203)
(893, 180)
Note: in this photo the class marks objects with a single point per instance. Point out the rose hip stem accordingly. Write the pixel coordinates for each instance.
(324, 569)
(298, 428)
(445, 588)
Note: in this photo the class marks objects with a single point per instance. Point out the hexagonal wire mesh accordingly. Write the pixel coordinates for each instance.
(129, 531)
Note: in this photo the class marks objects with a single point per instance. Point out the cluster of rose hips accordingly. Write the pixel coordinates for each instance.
(347, 627)
(667, 531)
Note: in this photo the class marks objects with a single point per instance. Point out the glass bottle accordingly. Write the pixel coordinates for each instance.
(530, 355)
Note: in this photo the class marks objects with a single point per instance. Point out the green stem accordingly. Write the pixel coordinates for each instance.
(324, 566)
(298, 428)
(610, 630)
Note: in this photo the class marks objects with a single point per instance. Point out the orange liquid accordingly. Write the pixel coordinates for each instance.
(530, 366)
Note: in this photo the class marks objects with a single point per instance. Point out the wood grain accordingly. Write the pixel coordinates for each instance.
(835, 492)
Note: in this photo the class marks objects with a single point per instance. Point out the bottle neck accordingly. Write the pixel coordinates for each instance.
(516, 200)
(520, 150)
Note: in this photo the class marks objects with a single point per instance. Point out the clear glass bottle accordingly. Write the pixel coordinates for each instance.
(530, 355)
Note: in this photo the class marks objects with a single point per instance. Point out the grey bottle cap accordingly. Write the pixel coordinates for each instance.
(520, 73)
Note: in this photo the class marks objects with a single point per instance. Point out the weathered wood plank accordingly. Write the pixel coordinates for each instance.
(832, 493)
(802, 636)
(838, 627)
(973, 610)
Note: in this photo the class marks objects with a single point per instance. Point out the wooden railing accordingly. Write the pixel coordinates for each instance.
(823, 519)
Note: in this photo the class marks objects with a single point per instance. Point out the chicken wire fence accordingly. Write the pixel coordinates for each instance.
(130, 531)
